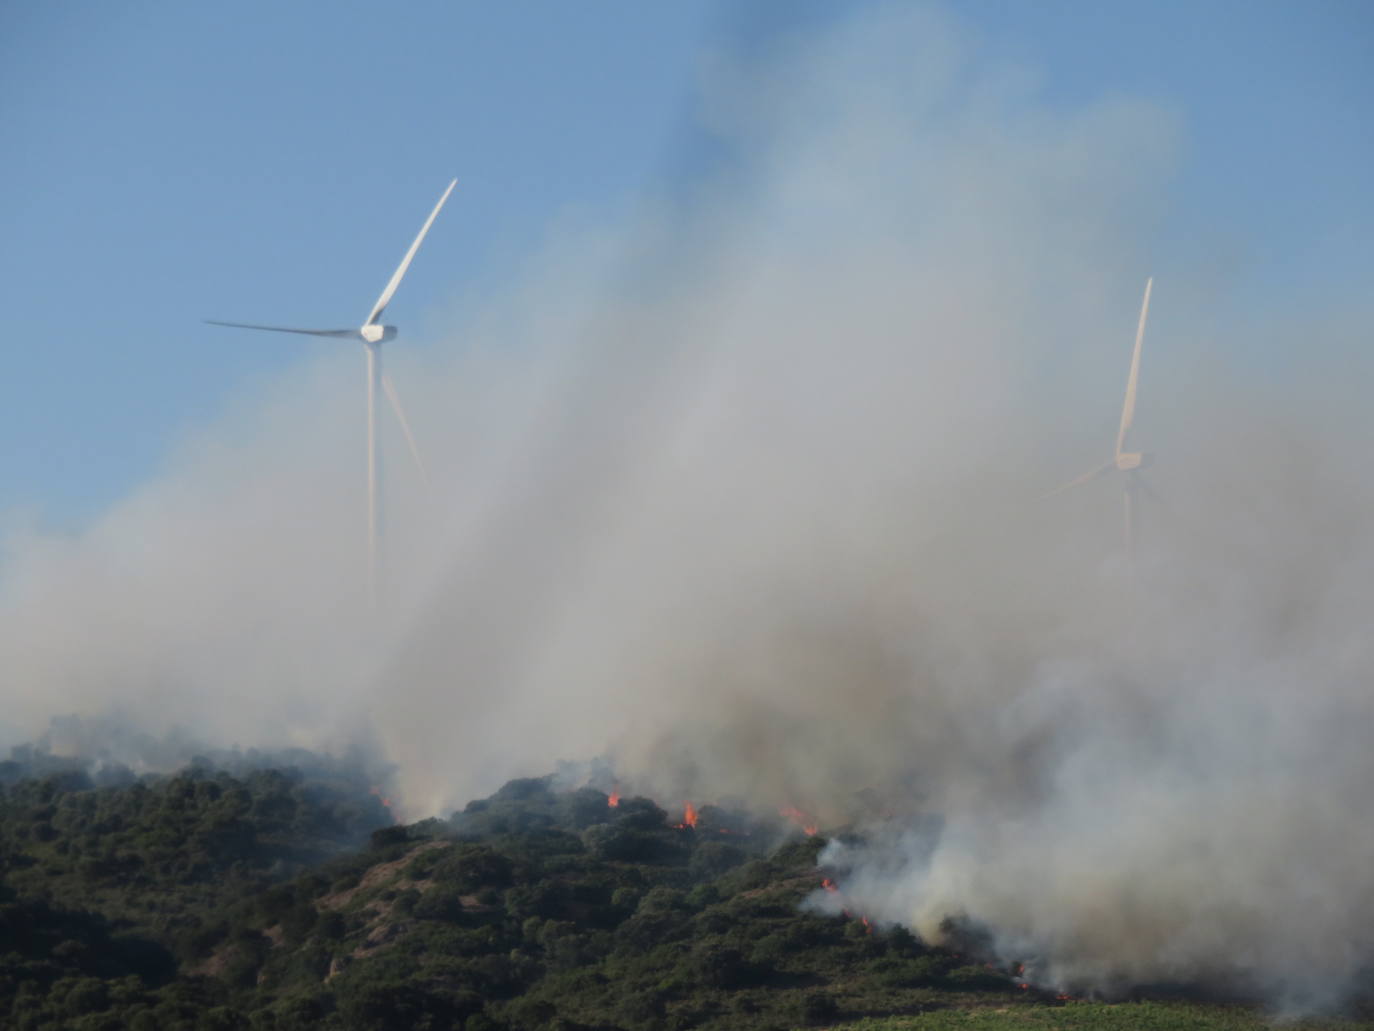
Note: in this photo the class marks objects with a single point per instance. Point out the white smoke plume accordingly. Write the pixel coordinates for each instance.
(741, 494)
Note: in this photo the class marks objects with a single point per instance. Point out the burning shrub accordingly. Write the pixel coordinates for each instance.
(582, 808)
(631, 923)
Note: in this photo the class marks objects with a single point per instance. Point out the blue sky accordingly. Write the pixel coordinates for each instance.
(738, 355)
(171, 162)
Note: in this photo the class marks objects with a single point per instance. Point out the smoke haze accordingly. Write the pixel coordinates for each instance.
(740, 493)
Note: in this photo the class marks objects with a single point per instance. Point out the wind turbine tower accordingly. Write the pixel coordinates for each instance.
(1128, 463)
(373, 334)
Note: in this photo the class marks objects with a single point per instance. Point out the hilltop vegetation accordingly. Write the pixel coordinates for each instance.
(283, 899)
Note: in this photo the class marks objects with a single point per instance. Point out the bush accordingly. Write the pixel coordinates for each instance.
(439, 903)
(386, 1006)
(542, 899)
(470, 867)
(583, 808)
(388, 837)
(817, 1008)
(625, 843)
(299, 921)
(710, 859)
(660, 901)
(640, 814)
(331, 926)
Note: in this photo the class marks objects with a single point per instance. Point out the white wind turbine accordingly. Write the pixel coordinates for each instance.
(1127, 462)
(373, 335)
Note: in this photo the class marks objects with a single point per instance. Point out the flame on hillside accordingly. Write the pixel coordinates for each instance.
(376, 792)
(807, 824)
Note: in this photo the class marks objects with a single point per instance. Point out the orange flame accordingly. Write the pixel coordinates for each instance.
(798, 817)
(868, 928)
(386, 802)
(689, 816)
(613, 799)
(828, 884)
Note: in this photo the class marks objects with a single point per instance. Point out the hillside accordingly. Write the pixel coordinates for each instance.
(282, 899)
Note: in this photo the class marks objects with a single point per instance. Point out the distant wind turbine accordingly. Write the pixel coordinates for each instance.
(1128, 462)
(372, 334)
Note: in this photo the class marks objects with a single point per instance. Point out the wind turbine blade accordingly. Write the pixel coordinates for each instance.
(395, 400)
(346, 334)
(1128, 408)
(1085, 478)
(400, 272)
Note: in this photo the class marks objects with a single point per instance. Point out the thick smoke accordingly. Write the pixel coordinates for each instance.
(741, 495)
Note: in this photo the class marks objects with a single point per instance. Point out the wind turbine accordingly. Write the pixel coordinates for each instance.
(372, 334)
(1126, 462)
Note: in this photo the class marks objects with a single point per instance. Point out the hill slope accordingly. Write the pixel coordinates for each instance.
(260, 899)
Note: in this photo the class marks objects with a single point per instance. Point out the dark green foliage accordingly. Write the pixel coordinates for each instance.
(710, 859)
(386, 838)
(218, 900)
(116, 888)
(471, 867)
(393, 1004)
(1096, 1016)
(816, 1008)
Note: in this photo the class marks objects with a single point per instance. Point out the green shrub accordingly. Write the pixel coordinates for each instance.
(470, 867)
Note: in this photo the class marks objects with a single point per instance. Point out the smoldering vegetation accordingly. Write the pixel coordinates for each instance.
(740, 494)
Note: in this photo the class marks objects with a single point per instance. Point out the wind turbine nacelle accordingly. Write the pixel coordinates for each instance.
(1134, 460)
(375, 334)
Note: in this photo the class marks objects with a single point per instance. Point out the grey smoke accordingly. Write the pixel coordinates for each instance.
(738, 493)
